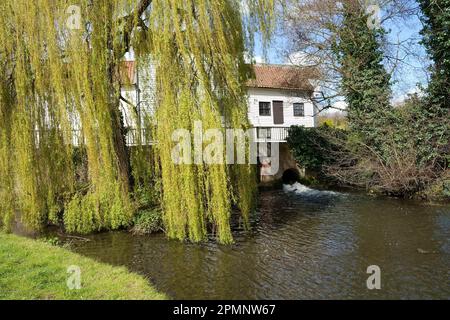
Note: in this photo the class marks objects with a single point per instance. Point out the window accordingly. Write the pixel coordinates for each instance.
(264, 109)
(299, 109)
(264, 133)
(264, 150)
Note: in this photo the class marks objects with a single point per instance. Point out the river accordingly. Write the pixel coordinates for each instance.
(304, 244)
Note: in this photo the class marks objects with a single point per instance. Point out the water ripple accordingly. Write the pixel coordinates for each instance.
(304, 244)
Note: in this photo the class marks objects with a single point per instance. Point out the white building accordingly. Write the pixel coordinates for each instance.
(280, 96)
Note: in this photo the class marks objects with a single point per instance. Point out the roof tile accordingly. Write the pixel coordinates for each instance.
(283, 77)
(266, 76)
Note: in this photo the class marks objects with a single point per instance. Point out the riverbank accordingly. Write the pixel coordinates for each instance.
(31, 269)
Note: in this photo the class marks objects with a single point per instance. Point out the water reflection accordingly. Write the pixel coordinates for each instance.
(302, 246)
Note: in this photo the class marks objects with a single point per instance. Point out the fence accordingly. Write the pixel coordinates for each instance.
(135, 137)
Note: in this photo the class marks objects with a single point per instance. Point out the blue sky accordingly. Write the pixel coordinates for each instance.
(410, 71)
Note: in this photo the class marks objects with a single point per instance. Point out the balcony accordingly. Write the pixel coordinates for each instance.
(135, 137)
(272, 134)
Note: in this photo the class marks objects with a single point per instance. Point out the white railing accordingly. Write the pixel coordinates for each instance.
(272, 134)
(135, 137)
(132, 137)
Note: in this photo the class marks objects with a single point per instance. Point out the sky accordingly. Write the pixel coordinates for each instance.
(410, 72)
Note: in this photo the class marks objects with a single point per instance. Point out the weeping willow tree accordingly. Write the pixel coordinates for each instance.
(60, 75)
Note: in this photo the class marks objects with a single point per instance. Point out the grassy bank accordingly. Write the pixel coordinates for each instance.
(33, 270)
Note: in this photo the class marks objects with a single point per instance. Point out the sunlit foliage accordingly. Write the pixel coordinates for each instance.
(60, 76)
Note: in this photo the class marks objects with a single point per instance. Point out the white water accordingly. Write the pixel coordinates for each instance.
(301, 189)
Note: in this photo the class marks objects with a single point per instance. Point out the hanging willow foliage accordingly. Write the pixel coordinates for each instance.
(61, 76)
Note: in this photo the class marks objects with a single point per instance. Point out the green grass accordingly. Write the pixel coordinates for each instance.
(31, 269)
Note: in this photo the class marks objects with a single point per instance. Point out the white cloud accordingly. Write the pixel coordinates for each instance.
(259, 59)
(342, 105)
(300, 59)
(398, 100)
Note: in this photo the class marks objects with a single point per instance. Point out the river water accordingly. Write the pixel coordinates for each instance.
(304, 244)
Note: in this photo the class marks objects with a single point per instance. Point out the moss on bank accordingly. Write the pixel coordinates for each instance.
(439, 190)
(33, 270)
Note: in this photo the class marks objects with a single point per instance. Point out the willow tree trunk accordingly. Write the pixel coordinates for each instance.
(119, 138)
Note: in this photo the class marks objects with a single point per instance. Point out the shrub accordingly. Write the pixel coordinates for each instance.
(53, 241)
(146, 197)
(313, 148)
(399, 175)
(393, 169)
(147, 221)
(439, 189)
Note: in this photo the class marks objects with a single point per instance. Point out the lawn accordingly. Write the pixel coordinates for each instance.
(30, 269)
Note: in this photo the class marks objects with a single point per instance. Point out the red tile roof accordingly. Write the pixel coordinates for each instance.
(128, 73)
(266, 76)
(283, 77)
